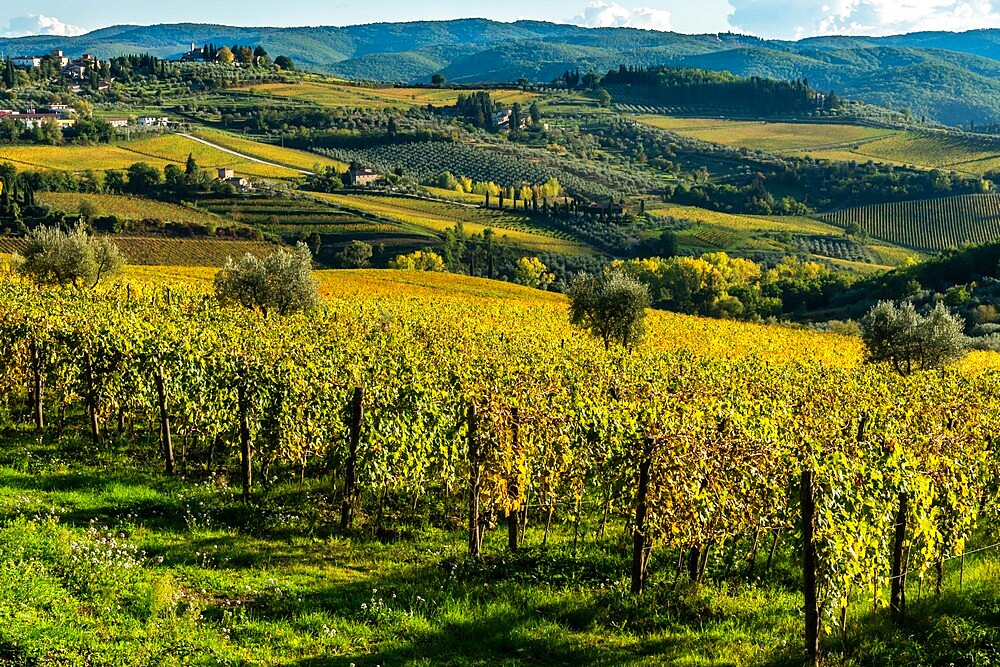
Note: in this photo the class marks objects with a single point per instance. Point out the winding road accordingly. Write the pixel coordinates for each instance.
(242, 155)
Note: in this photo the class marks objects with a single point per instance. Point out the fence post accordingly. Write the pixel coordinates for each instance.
(161, 395)
(37, 386)
(897, 596)
(347, 508)
(475, 536)
(809, 564)
(245, 452)
(513, 491)
(640, 541)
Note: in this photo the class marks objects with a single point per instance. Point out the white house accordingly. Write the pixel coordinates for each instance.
(153, 121)
(117, 121)
(27, 62)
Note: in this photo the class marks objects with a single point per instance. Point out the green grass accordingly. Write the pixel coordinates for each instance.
(103, 560)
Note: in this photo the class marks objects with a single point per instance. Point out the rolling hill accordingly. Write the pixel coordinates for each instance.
(951, 77)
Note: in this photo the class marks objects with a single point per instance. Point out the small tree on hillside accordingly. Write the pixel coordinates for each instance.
(280, 283)
(54, 257)
(910, 341)
(612, 307)
(356, 255)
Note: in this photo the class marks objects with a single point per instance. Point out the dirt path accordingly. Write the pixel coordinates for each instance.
(242, 155)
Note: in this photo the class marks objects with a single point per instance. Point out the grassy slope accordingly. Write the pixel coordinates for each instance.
(927, 150)
(339, 95)
(438, 216)
(155, 151)
(128, 208)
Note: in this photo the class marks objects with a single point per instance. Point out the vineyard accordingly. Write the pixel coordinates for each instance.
(165, 251)
(438, 216)
(359, 97)
(128, 208)
(305, 215)
(709, 446)
(929, 225)
(157, 152)
(922, 149)
(509, 166)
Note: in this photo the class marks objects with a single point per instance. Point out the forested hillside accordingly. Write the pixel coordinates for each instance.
(953, 78)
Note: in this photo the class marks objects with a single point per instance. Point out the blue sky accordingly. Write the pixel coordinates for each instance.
(786, 19)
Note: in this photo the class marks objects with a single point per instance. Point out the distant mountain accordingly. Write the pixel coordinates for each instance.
(952, 77)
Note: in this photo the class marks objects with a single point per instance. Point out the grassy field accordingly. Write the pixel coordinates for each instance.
(928, 225)
(177, 252)
(156, 151)
(438, 216)
(772, 137)
(128, 208)
(926, 149)
(339, 95)
(712, 230)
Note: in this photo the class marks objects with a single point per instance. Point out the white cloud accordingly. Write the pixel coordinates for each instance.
(39, 24)
(794, 18)
(601, 14)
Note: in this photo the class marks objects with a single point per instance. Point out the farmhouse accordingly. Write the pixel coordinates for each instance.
(31, 119)
(361, 176)
(228, 175)
(153, 121)
(501, 118)
(194, 54)
(117, 121)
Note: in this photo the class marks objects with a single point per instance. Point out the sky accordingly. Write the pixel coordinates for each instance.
(778, 19)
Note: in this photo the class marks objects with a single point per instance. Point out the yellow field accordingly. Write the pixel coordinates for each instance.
(156, 151)
(774, 137)
(338, 95)
(74, 158)
(747, 223)
(927, 150)
(128, 208)
(289, 157)
(438, 217)
(455, 195)
(547, 311)
(175, 148)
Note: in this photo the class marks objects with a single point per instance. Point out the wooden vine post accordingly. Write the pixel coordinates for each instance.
(245, 452)
(350, 483)
(95, 427)
(809, 566)
(897, 595)
(640, 537)
(161, 396)
(513, 491)
(37, 388)
(475, 536)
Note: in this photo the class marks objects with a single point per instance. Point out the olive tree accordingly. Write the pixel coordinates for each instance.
(280, 283)
(612, 307)
(54, 257)
(909, 341)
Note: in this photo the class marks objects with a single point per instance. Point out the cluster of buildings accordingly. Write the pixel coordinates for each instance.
(61, 114)
(74, 68)
(241, 184)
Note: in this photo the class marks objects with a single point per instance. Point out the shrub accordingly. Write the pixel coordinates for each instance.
(910, 341)
(280, 283)
(612, 307)
(54, 257)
